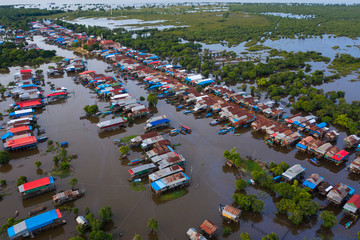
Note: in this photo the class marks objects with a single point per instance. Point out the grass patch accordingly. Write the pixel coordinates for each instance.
(258, 48)
(344, 69)
(60, 173)
(139, 187)
(173, 195)
(128, 138)
(56, 58)
(250, 43)
(335, 47)
(250, 165)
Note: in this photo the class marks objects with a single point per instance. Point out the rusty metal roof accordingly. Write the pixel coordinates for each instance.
(208, 227)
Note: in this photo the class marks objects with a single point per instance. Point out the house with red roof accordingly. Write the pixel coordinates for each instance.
(352, 206)
(37, 187)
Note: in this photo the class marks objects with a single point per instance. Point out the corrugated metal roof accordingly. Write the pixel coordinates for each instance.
(231, 211)
(208, 227)
(34, 223)
(35, 184)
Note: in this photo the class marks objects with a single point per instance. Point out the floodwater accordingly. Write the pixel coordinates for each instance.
(104, 176)
(289, 15)
(128, 24)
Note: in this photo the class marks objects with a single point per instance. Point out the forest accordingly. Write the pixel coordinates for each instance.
(19, 18)
(12, 54)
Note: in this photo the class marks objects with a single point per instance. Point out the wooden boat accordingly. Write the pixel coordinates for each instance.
(42, 139)
(185, 128)
(67, 196)
(174, 132)
(348, 224)
(37, 210)
(188, 111)
(214, 123)
(314, 161)
(225, 130)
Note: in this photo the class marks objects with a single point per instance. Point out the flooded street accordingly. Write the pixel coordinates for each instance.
(105, 177)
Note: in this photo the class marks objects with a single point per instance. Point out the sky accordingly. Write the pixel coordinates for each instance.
(140, 2)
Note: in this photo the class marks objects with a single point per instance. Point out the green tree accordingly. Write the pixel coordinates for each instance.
(245, 236)
(2, 182)
(81, 229)
(271, 236)
(240, 184)
(153, 225)
(328, 218)
(142, 98)
(106, 214)
(38, 164)
(76, 238)
(137, 237)
(73, 182)
(257, 206)
(76, 211)
(4, 157)
(21, 180)
(227, 231)
(152, 99)
(100, 235)
(91, 109)
(124, 149)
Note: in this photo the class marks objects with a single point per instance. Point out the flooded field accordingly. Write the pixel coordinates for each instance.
(128, 24)
(105, 177)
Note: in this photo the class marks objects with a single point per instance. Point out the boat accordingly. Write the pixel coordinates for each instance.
(185, 128)
(225, 130)
(314, 161)
(67, 196)
(214, 123)
(188, 111)
(134, 162)
(42, 139)
(348, 224)
(174, 132)
(37, 210)
(97, 114)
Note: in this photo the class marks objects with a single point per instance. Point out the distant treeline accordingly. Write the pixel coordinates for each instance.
(341, 20)
(19, 18)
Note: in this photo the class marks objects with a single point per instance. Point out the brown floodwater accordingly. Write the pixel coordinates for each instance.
(104, 177)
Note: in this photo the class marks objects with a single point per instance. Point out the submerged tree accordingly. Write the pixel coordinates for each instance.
(124, 149)
(38, 164)
(73, 182)
(92, 109)
(152, 99)
(4, 157)
(328, 218)
(153, 225)
(106, 214)
(271, 236)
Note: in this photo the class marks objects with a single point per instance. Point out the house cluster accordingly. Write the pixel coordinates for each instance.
(28, 97)
(163, 166)
(337, 195)
(322, 149)
(121, 102)
(42, 221)
(237, 108)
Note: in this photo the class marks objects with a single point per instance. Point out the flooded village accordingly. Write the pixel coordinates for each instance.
(147, 138)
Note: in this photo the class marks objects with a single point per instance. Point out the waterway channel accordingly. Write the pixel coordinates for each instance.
(105, 177)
